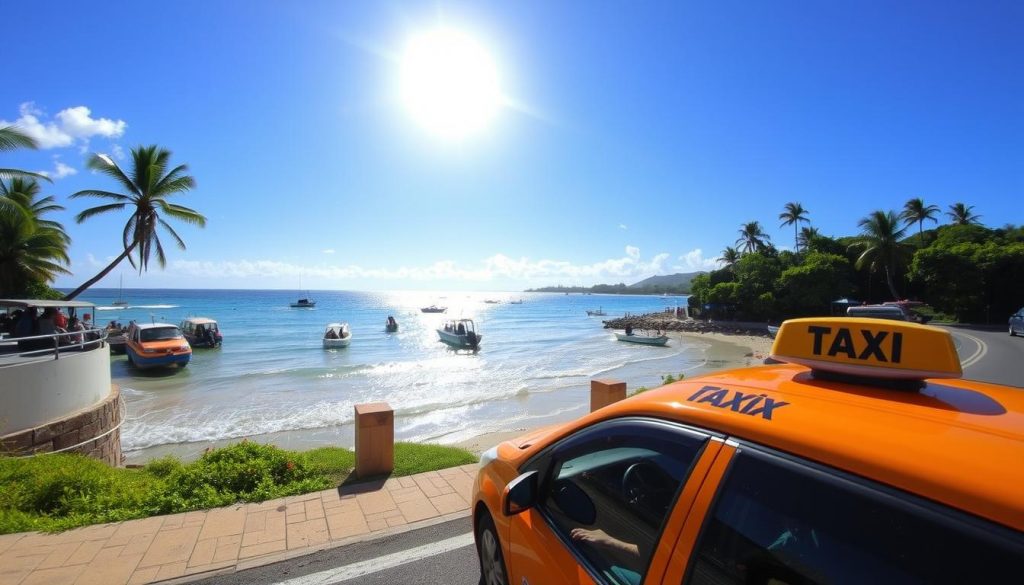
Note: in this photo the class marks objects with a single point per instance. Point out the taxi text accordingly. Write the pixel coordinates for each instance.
(744, 403)
(870, 345)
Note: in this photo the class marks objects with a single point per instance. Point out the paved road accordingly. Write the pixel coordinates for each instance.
(443, 553)
(990, 356)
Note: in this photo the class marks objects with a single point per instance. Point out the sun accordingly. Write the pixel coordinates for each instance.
(449, 83)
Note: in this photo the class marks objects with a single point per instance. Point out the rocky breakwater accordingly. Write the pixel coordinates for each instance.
(668, 322)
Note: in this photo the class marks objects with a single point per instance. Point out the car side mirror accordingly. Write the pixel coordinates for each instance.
(520, 494)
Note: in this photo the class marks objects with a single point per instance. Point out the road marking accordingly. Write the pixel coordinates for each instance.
(977, 355)
(341, 574)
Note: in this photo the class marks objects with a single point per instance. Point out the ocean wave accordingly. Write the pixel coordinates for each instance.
(125, 308)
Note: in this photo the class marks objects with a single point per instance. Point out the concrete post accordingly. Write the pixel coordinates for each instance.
(605, 392)
(375, 439)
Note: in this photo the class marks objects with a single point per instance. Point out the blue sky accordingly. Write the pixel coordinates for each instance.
(632, 139)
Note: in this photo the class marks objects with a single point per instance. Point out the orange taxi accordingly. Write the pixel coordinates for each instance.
(861, 459)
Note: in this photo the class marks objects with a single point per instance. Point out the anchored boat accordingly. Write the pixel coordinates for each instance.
(460, 333)
(337, 335)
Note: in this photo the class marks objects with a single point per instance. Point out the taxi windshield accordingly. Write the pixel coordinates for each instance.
(160, 334)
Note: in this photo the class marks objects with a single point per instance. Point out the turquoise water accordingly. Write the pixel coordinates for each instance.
(273, 380)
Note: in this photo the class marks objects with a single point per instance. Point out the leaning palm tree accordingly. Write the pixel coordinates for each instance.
(149, 186)
(752, 237)
(880, 245)
(961, 214)
(12, 139)
(730, 256)
(915, 211)
(793, 215)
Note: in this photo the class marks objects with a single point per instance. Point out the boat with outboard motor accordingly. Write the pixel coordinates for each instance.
(391, 326)
(460, 333)
(201, 332)
(337, 335)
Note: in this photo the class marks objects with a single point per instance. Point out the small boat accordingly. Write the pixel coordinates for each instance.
(492, 302)
(303, 304)
(201, 332)
(154, 345)
(460, 333)
(391, 326)
(772, 331)
(643, 338)
(120, 301)
(337, 335)
(598, 313)
(433, 309)
(519, 302)
(117, 340)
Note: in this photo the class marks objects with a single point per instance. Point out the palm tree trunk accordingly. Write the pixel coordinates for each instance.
(71, 295)
(796, 238)
(892, 287)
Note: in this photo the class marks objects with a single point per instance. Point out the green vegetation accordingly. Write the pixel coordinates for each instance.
(57, 492)
(665, 380)
(964, 271)
(673, 284)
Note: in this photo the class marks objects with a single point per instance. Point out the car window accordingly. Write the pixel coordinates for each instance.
(610, 491)
(160, 334)
(776, 521)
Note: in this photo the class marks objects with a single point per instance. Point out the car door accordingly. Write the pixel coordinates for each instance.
(606, 496)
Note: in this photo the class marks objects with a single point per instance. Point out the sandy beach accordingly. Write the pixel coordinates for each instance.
(725, 351)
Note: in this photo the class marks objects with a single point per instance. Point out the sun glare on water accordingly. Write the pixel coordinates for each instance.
(449, 83)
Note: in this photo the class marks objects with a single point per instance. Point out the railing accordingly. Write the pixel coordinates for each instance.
(37, 348)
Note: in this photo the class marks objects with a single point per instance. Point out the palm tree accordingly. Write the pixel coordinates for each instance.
(729, 257)
(961, 214)
(752, 237)
(149, 186)
(32, 249)
(915, 211)
(793, 215)
(807, 233)
(12, 139)
(879, 239)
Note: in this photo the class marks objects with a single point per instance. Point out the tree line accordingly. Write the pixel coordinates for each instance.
(961, 268)
(34, 247)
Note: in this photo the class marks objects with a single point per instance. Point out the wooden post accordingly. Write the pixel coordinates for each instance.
(605, 392)
(375, 439)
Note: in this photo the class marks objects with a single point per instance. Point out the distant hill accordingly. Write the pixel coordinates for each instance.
(680, 280)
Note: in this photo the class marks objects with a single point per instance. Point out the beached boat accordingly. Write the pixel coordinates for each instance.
(391, 326)
(433, 309)
(337, 335)
(201, 332)
(460, 333)
(155, 345)
(598, 313)
(643, 338)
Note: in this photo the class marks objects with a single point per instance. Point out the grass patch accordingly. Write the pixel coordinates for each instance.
(57, 492)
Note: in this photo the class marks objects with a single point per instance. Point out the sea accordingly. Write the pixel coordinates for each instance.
(272, 381)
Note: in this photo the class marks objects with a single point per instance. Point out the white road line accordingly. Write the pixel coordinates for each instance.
(977, 355)
(341, 574)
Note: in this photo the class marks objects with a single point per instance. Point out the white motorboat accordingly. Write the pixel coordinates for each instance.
(433, 309)
(644, 337)
(337, 335)
(460, 333)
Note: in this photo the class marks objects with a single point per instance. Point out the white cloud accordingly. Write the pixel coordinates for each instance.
(328, 251)
(497, 267)
(117, 151)
(60, 171)
(623, 226)
(694, 260)
(69, 125)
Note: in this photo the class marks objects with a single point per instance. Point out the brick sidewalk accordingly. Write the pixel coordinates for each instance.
(195, 545)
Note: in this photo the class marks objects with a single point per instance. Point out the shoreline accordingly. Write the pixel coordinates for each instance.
(725, 351)
(720, 351)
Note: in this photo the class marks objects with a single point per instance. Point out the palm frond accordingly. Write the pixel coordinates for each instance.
(183, 213)
(101, 195)
(14, 173)
(174, 234)
(12, 138)
(106, 165)
(93, 211)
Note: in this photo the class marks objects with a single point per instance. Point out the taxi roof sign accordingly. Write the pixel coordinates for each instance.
(878, 348)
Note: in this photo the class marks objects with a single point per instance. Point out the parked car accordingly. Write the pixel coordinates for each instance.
(863, 459)
(1017, 323)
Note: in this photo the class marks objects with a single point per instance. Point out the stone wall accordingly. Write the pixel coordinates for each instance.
(88, 426)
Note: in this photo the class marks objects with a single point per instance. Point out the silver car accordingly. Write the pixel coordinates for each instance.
(1017, 323)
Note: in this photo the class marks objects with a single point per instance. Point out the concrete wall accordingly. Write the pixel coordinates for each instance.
(35, 392)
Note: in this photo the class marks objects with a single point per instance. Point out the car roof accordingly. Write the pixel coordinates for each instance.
(952, 441)
(154, 325)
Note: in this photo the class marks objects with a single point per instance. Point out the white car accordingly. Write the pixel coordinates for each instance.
(1017, 323)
